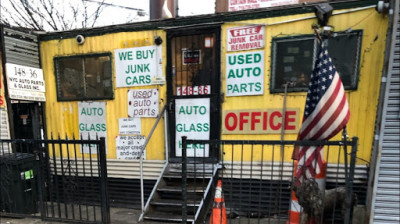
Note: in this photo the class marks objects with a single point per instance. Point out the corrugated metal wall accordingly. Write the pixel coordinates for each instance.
(386, 195)
(4, 127)
(19, 45)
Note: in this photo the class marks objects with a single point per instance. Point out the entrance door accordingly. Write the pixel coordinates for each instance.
(27, 122)
(194, 91)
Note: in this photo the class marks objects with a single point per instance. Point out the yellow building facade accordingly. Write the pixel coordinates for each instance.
(177, 60)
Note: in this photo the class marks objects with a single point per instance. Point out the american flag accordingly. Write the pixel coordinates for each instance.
(326, 113)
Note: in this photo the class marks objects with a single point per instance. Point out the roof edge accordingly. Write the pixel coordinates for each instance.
(202, 19)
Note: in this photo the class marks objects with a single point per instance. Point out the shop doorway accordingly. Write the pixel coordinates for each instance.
(27, 119)
(194, 94)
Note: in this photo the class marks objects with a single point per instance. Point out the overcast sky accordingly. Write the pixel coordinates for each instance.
(120, 12)
(115, 15)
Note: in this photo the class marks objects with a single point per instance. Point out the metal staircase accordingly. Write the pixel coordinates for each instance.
(166, 202)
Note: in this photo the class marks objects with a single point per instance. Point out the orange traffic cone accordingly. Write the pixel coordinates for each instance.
(295, 207)
(219, 212)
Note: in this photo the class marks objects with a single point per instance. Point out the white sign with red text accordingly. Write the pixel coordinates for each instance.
(193, 90)
(245, 38)
(237, 5)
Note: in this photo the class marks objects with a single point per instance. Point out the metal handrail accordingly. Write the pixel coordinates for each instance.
(141, 155)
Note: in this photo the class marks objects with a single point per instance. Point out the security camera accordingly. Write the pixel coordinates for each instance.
(80, 39)
(158, 40)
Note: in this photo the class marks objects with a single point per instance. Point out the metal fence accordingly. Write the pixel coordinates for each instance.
(57, 180)
(257, 180)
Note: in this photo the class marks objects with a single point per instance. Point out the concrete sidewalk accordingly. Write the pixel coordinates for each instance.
(131, 216)
(118, 216)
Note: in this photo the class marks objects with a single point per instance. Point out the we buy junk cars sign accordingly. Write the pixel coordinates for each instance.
(245, 38)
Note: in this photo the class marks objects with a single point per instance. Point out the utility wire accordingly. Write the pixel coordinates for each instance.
(118, 6)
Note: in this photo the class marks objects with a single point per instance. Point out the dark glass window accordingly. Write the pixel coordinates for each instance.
(344, 49)
(293, 59)
(84, 77)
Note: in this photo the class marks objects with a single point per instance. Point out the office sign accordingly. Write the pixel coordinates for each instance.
(261, 121)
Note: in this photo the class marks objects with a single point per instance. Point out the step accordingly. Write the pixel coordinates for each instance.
(171, 202)
(178, 189)
(167, 217)
(173, 175)
(191, 168)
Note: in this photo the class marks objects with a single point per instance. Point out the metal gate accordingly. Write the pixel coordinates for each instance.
(57, 180)
(258, 182)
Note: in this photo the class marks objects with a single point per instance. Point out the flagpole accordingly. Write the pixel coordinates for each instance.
(344, 139)
(283, 118)
(282, 139)
(315, 28)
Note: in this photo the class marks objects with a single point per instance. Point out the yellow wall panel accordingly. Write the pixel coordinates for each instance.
(63, 118)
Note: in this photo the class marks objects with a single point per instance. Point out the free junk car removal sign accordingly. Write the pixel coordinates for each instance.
(193, 121)
(139, 66)
(245, 38)
(245, 74)
(92, 122)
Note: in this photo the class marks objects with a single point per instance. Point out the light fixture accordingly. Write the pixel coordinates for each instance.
(382, 7)
(323, 11)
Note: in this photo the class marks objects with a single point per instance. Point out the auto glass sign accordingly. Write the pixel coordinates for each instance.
(92, 123)
(139, 66)
(192, 120)
(245, 38)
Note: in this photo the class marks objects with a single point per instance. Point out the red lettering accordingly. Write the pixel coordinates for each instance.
(265, 121)
(290, 116)
(254, 120)
(1, 100)
(227, 119)
(272, 118)
(242, 120)
(245, 31)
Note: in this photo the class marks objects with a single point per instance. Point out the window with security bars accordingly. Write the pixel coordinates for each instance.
(84, 77)
(293, 60)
